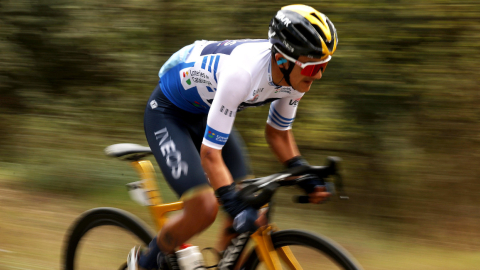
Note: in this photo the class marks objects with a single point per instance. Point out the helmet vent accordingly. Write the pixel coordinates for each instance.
(320, 32)
(332, 34)
(315, 15)
(307, 34)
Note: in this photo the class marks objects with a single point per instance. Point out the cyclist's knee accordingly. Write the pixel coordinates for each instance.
(203, 206)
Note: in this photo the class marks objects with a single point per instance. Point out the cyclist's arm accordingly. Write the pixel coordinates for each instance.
(282, 143)
(215, 168)
(285, 148)
(233, 86)
(278, 131)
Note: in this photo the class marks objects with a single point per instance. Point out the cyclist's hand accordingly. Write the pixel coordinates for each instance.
(318, 195)
(245, 221)
(314, 187)
(254, 219)
(243, 215)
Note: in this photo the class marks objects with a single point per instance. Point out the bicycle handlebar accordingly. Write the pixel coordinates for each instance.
(269, 184)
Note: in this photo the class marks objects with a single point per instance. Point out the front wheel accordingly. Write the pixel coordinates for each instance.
(309, 250)
(114, 233)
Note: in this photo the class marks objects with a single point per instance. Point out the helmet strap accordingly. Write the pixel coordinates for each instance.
(277, 84)
(286, 73)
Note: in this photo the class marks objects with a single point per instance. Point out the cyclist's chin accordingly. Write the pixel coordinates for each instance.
(303, 86)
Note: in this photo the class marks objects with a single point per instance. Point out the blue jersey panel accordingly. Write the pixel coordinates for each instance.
(186, 99)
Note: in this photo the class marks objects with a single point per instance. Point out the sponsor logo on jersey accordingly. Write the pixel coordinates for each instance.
(283, 90)
(201, 80)
(197, 77)
(192, 77)
(215, 136)
(153, 104)
(188, 80)
(254, 98)
(255, 94)
(185, 78)
(257, 91)
(294, 102)
(198, 73)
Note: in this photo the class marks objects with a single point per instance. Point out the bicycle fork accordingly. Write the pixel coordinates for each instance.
(268, 254)
(264, 249)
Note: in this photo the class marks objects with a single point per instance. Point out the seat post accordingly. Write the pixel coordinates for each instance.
(146, 172)
(157, 208)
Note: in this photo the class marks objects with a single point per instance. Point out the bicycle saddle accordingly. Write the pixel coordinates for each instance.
(128, 151)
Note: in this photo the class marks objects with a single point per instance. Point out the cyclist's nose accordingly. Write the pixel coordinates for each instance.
(318, 76)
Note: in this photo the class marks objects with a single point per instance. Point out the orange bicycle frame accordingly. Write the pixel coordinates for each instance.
(264, 247)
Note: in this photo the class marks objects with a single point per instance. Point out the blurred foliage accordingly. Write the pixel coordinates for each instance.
(399, 101)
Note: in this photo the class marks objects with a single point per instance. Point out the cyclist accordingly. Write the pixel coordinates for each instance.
(189, 120)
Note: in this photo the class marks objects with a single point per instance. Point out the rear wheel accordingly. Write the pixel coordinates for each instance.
(309, 250)
(102, 238)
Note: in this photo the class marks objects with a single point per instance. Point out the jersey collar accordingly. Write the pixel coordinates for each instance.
(269, 75)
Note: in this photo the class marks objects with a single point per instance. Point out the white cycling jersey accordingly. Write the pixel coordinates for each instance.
(221, 78)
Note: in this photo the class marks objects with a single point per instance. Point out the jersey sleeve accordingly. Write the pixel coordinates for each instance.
(233, 86)
(282, 112)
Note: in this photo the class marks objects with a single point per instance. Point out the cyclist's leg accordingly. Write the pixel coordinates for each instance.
(169, 138)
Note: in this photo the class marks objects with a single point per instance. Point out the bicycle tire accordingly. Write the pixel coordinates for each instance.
(330, 249)
(100, 217)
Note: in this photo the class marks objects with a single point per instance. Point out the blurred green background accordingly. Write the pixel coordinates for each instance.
(399, 103)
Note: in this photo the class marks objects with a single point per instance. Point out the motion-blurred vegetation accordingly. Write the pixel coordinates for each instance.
(399, 100)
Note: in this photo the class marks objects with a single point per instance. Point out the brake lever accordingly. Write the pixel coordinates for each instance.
(335, 187)
(335, 164)
(339, 186)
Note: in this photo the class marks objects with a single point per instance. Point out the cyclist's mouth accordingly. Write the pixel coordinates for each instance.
(309, 83)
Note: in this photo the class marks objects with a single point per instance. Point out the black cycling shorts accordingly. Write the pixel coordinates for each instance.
(175, 137)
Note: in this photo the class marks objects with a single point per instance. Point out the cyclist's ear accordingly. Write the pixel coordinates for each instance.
(281, 61)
